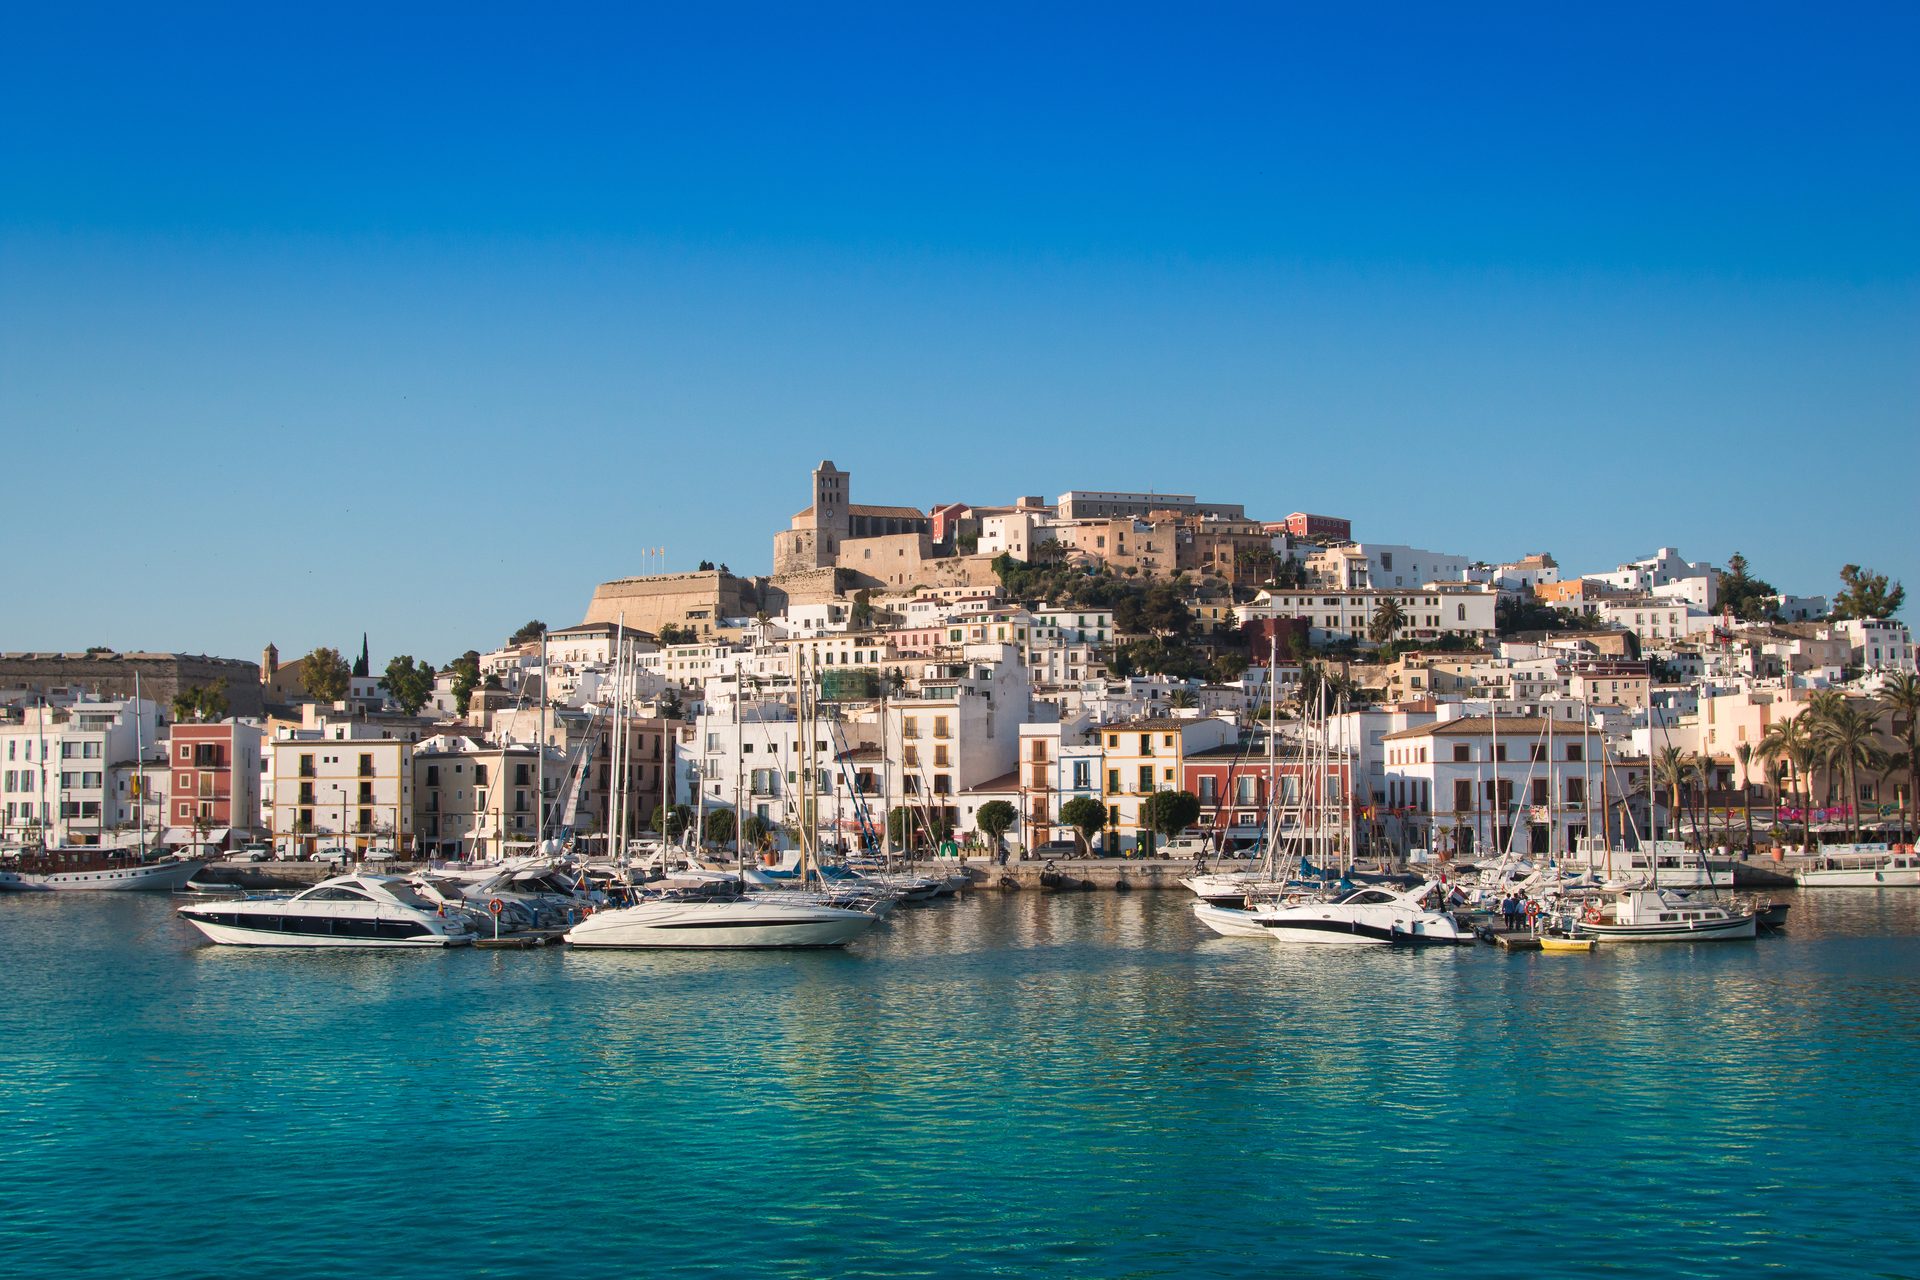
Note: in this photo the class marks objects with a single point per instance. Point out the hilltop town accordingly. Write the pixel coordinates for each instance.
(1036, 677)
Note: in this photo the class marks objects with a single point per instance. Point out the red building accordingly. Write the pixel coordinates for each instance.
(215, 791)
(1302, 525)
(1236, 785)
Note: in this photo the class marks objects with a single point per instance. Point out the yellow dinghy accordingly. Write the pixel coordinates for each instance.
(1550, 943)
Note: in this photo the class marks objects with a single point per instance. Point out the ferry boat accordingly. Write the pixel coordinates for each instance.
(93, 870)
(1650, 915)
(344, 911)
(1860, 866)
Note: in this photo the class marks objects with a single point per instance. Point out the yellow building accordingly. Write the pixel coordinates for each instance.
(1141, 757)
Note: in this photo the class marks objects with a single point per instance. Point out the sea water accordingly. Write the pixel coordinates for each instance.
(1020, 1085)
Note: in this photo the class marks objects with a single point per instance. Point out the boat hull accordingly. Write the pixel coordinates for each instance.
(1228, 922)
(1897, 878)
(146, 877)
(237, 936)
(748, 925)
(1735, 927)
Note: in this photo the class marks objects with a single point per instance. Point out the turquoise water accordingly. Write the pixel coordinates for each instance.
(1065, 1086)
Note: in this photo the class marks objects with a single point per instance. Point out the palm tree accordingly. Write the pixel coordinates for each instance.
(1670, 768)
(1901, 697)
(1846, 739)
(1822, 706)
(1787, 744)
(1743, 752)
(1388, 618)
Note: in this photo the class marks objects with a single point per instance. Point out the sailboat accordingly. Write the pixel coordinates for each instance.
(94, 869)
(721, 917)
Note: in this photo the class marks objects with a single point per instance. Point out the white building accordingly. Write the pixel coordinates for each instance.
(1877, 644)
(1484, 787)
(1380, 565)
(1437, 610)
(1666, 574)
(66, 771)
(1654, 619)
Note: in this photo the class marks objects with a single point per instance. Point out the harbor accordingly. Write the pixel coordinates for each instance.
(1061, 1065)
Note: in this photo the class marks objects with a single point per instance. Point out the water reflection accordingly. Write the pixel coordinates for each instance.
(1035, 1083)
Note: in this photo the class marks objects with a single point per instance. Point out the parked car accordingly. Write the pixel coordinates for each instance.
(252, 853)
(1056, 849)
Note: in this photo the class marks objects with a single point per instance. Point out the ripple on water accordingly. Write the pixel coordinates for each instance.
(1027, 1086)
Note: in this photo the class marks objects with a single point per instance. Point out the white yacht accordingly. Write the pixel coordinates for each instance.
(93, 870)
(1653, 915)
(345, 911)
(761, 920)
(1860, 866)
(1371, 916)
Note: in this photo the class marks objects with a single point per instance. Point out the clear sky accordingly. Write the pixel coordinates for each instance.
(325, 319)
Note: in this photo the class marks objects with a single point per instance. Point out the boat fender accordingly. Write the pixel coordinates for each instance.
(496, 906)
(586, 911)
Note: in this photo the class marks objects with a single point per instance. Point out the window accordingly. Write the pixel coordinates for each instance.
(1462, 752)
(1462, 795)
(1209, 788)
(1539, 791)
(1082, 774)
(1245, 790)
(940, 760)
(1574, 749)
(940, 727)
(1146, 744)
(1146, 778)
(910, 726)
(1576, 790)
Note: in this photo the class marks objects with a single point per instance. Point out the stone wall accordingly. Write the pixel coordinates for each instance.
(698, 600)
(161, 676)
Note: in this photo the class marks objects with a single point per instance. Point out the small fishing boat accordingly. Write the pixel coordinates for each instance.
(1554, 942)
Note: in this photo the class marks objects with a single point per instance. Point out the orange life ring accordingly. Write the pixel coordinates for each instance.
(588, 911)
(1593, 914)
(496, 906)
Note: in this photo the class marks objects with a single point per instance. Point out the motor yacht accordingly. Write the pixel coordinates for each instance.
(1370, 916)
(708, 919)
(344, 911)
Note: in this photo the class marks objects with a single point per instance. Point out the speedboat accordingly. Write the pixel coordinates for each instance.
(1370, 916)
(93, 870)
(1653, 915)
(344, 911)
(708, 920)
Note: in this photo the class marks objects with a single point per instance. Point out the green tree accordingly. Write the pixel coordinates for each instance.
(679, 818)
(903, 828)
(1228, 667)
(1750, 598)
(1171, 812)
(860, 616)
(674, 633)
(1388, 617)
(1181, 699)
(466, 678)
(993, 819)
(720, 826)
(1867, 595)
(1901, 698)
(325, 675)
(200, 703)
(754, 830)
(1086, 816)
(528, 631)
(1787, 747)
(363, 665)
(408, 683)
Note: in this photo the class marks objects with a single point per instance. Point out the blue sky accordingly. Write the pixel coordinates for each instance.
(421, 324)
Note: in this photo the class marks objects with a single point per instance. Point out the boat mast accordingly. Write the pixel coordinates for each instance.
(739, 782)
(616, 812)
(540, 760)
(139, 773)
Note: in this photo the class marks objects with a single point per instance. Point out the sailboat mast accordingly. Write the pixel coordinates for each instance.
(540, 759)
(139, 772)
(616, 812)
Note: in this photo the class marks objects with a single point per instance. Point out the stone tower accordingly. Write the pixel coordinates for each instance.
(269, 664)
